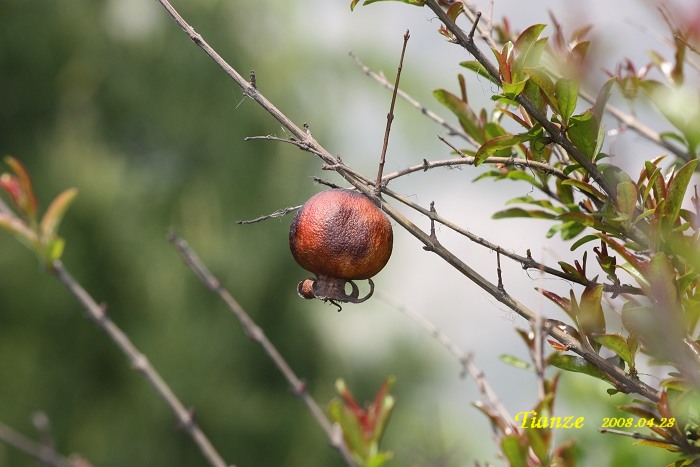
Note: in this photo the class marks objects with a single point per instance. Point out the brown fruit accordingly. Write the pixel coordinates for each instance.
(339, 235)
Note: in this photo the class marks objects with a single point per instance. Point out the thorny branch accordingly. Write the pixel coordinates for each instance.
(255, 333)
(623, 381)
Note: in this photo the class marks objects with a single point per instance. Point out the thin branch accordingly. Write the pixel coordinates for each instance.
(623, 381)
(139, 362)
(640, 128)
(256, 334)
(451, 130)
(43, 426)
(304, 145)
(637, 435)
(510, 161)
(555, 133)
(279, 213)
(43, 453)
(527, 262)
(465, 359)
(625, 118)
(390, 118)
(248, 89)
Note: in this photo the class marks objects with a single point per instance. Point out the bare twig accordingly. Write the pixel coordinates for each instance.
(390, 118)
(279, 213)
(42, 452)
(465, 359)
(43, 427)
(139, 362)
(623, 381)
(510, 161)
(451, 130)
(637, 435)
(527, 262)
(255, 333)
(630, 121)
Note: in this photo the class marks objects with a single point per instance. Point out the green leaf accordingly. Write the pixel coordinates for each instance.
(54, 249)
(578, 217)
(516, 362)
(514, 450)
(571, 230)
(493, 129)
(544, 82)
(512, 90)
(499, 143)
(602, 100)
(591, 317)
(350, 425)
(586, 188)
(520, 212)
(626, 200)
(661, 276)
(617, 344)
(532, 92)
(566, 92)
(367, 2)
(677, 188)
(379, 459)
(55, 212)
(583, 132)
(479, 69)
(529, 49)
(583, 240)
(576, 364)
(467, 119)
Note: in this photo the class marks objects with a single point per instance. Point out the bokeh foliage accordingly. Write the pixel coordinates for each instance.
(111, 98)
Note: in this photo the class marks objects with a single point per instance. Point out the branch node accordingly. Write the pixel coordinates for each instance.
(188, 422)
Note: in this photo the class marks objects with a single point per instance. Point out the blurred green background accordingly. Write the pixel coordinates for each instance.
(112, 98)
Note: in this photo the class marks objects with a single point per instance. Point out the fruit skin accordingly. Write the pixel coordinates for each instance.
(339, 235)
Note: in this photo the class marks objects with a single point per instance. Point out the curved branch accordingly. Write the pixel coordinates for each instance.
(623, 381)
(527, 262)
(139, 362)
(46, 455)
(407, 97)
(469, 160)
(256, 333)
